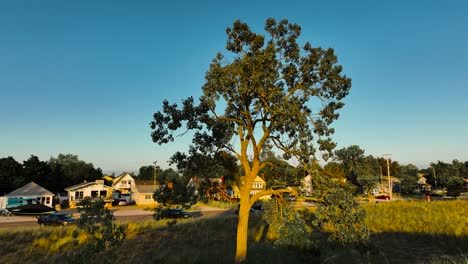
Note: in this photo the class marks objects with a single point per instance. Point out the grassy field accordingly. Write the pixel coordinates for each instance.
(402, 232)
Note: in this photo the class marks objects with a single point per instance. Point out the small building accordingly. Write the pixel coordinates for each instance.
(423, 185)
(30, 193)
(95, 189)
(258, 185)
(123, 184)
(143, 194)
(306, 185)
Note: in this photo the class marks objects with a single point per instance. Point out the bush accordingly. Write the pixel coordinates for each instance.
(98, 223)
(341, 215)
(286, 225)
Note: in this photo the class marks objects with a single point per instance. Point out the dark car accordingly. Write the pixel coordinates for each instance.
(256, 208)
(56, 219)
(383, 197)
(171, 213)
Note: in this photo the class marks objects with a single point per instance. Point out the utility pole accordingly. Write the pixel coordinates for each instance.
(381, 183)
(388, 174)
(435, 178)
(154, 178)
(154, 183)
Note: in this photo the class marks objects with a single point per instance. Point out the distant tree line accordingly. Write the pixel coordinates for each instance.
(55, 174)
(349, 164)
(364, 171)
(350, 167)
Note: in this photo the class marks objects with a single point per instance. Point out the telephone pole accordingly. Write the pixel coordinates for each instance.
(154, 178)
(388, 175)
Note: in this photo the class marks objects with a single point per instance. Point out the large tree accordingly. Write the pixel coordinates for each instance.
(408, 175)
(11, 175)
(266, 88)
(350, 157)
(68, 169)
(37, 171)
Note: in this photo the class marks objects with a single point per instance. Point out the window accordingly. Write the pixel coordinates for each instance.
(148, 196)
(48, 200)
(124, 182)
(257, 185)
(103, 194)
(79, 195)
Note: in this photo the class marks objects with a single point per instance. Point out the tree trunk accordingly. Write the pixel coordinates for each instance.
(242, 228)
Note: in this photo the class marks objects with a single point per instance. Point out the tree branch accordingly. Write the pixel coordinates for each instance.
(270, 192)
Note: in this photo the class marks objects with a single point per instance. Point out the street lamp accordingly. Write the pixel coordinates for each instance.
(388, 174)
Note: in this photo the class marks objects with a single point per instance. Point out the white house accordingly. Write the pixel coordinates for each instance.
(124, 183)
(258, 185)
(96, 189)
(143, 194)
(306, 185)
(30, 193)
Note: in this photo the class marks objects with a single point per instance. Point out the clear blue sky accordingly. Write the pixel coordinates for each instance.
(85, 77)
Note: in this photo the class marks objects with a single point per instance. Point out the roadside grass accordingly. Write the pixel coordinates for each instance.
(402, 232)
(218, 204)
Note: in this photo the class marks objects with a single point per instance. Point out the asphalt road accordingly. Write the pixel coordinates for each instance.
(122, 216)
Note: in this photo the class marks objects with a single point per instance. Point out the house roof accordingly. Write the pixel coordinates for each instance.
(116, 180)
(108, 178)
(30, 189)
(145, 188)
(84, 185)
(257, 179)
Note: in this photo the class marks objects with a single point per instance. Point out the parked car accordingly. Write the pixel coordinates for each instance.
(171, 213)
(256, 208)
(119, 202)
(56, 219)
(383, 197)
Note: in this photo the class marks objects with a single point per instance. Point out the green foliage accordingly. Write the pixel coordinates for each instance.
(272, 89)
(408, 175)
(285, 222)
(162, 176)
(349, 158)
(98, 222)
(178, 195)
(449, 176)
(367, 174)
(10, 175)
(341, 215)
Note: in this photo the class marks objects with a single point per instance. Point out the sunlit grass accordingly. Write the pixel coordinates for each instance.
(438, 218)
(403, 232)
(218, 204)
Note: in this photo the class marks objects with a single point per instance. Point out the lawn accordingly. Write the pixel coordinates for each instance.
(402, 232)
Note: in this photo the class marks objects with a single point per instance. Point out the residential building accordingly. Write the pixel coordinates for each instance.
(30, 193)
(143, 194)
(123, 184)
(96, 189)
(258, 185)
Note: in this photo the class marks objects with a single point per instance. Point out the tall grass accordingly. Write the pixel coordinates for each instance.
(435, 218)
(402, 232)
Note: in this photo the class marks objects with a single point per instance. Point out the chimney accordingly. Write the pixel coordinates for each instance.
(100, 182)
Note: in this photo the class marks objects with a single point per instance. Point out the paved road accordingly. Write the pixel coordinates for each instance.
(122, 215)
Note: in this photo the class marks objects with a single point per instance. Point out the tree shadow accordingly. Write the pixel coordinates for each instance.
(399, 247)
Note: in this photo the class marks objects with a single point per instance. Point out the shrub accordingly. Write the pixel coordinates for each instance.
(286, 225)
(98, 222)
(341, 215)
